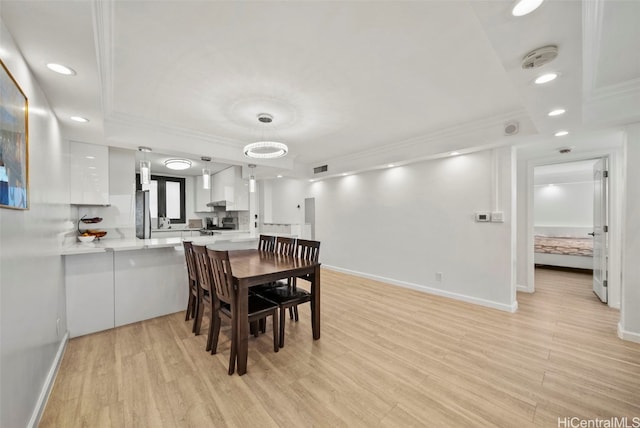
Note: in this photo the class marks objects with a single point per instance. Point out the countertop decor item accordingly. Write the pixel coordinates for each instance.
(86, 238)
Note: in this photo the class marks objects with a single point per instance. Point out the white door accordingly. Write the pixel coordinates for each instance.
(600, 205)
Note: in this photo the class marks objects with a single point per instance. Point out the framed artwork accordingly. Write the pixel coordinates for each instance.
(14, 143)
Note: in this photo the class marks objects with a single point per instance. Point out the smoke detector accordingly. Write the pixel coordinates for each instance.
(511, 128)
(539, 57)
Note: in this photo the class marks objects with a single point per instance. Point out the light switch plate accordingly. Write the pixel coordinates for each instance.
(497, 216)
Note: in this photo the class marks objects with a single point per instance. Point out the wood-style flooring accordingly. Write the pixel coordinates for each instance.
(388, 356)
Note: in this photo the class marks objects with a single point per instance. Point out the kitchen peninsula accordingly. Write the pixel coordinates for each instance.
(113, 282)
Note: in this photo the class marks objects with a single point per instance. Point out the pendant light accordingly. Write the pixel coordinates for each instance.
(252, 179)
(265, 149)
(206, 174)
(145, 166)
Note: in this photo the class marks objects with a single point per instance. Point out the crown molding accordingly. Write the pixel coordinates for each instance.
(103, 39)
(592, 15)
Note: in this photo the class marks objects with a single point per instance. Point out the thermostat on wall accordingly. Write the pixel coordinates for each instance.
(483, 216)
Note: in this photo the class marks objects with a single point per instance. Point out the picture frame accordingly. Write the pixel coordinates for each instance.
(14, 143)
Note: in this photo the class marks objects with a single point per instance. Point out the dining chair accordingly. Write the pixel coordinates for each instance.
(225, 293)
(267, 243)
(289, 296)
(192, 278)
(207, 298)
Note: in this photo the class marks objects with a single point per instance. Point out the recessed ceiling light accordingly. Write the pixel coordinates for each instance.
(279, 176)
(344, 174)
(546, 78)
(177, 164)
(561, 133)
(524, 7)
(454, 153)
(61, 69)
(390, 165)
(79, 119)
(556, 112)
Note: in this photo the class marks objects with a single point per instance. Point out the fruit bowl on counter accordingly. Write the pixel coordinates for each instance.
(93, 233)
(86, 238)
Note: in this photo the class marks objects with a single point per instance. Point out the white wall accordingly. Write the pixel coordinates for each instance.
(564, 204)
(404, 224)
(282, 200)
(630, 310)
(32, 295)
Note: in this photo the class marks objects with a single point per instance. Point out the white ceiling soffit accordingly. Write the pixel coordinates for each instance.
(611, 61)
(356, 78)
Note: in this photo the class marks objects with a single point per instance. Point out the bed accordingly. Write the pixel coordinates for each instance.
(564, 251)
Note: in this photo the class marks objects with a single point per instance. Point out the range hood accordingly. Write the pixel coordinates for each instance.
(222, 204)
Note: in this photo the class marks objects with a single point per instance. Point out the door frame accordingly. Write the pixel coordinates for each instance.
(615, 216)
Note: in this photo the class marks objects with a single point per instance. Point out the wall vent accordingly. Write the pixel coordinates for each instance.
(319, 169)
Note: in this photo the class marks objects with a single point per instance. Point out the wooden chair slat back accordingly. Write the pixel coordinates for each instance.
(203, 268)
(188, 255)
(308, 250)
(222, 275)
(285, 246)
(267, 243)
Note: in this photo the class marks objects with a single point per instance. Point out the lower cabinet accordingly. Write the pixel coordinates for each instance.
(114, 288)
(89, 283)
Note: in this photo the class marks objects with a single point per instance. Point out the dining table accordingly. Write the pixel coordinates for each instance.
(255, 267)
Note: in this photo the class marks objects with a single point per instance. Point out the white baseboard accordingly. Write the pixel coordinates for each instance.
(48, 384)
(524, 289)
(628, 335)
(429, 290)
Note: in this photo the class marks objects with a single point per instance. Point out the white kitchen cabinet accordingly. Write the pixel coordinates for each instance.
(89, 290)
(88, 174)
(228, 185)
(202, 196)
(240, 192)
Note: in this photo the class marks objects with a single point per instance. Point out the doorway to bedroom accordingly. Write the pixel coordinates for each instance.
(570, 207)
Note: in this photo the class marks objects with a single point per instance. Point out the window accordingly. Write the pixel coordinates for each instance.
(166, 197)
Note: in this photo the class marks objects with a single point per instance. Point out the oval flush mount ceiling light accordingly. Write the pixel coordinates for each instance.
(61, 69)
(177, 164)
(545, 78)
(561, 133)
(265, 149)
(525, 7)
(556, 112)
(79, 119)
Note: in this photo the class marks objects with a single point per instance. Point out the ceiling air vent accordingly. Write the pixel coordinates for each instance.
(539, 57)
(319, 169)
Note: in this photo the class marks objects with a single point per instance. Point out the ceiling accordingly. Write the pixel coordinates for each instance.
(354, 85)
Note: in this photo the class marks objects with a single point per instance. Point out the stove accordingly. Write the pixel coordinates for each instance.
(211, 230)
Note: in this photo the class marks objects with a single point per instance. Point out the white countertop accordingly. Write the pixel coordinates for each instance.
(104, 245)
(176, 229)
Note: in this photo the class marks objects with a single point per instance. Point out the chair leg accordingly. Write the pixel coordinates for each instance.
(198, 322)
(216, 333)
(263, 325)
(295, 313)
(234, 347)
(276, 332)
(291, 312)
(254, 328)
(210, 333)
(281, 327)
(189, 314)
(196, 313)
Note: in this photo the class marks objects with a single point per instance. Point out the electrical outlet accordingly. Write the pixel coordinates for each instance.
(439, 276)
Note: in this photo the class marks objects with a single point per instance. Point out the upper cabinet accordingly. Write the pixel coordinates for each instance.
(202, 196)
(226, 185)
(89, 174)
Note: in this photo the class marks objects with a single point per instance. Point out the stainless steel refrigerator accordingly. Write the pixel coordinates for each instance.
(143, 215)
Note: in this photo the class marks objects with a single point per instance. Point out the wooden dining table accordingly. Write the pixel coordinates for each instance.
(254, 267)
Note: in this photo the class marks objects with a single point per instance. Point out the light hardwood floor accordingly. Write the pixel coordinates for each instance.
(387, 357)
